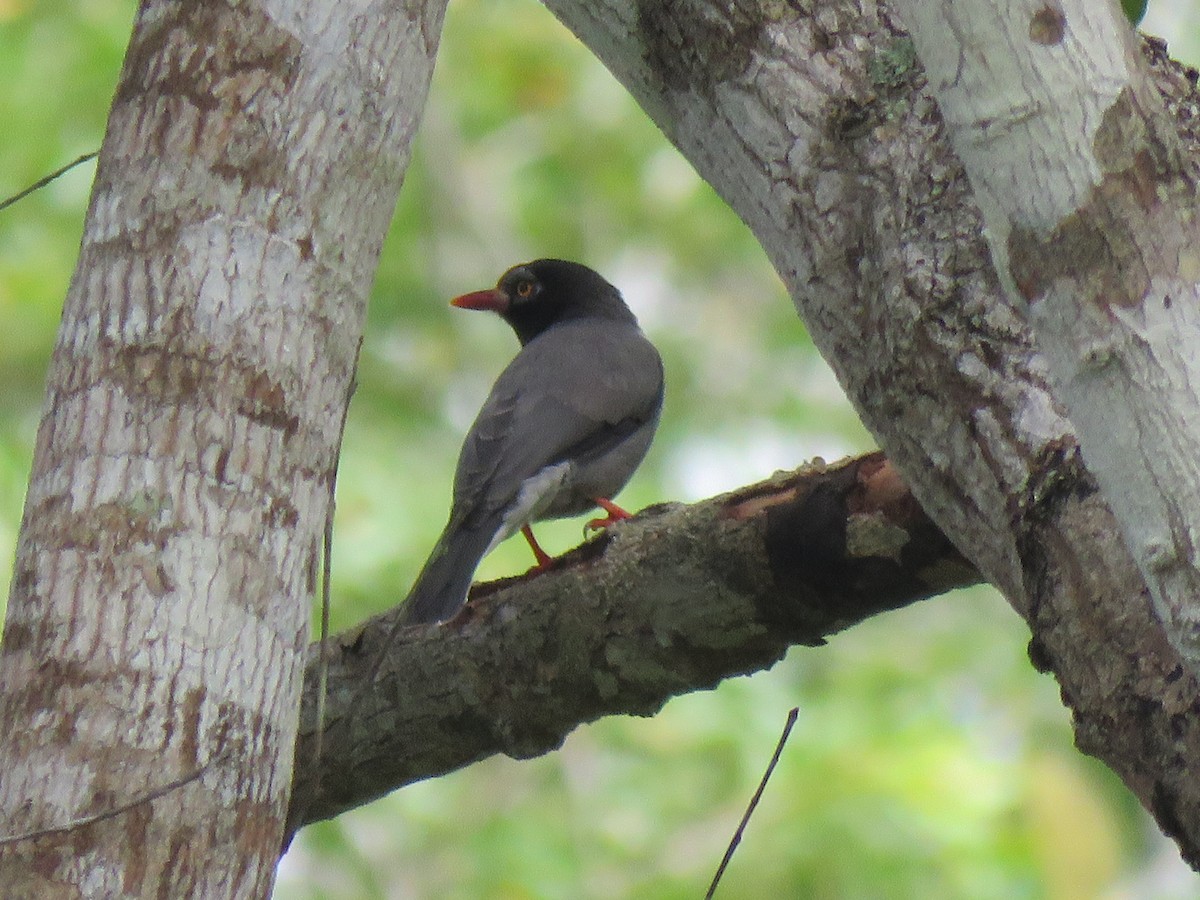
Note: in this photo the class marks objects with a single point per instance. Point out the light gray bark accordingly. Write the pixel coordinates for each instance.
(157, 624)
(1089, 205)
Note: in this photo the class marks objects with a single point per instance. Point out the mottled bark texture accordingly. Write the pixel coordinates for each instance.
(157, 623)
(1089, 202)
(814, 121)
(669, 602)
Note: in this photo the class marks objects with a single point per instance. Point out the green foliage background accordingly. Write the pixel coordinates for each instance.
(929, 760)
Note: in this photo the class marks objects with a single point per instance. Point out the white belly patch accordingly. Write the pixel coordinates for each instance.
(536, 494)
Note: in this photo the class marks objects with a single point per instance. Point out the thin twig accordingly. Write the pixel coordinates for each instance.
(327, 567)
(150, 797)
(322, 658)
(42, 182)
(762, 786)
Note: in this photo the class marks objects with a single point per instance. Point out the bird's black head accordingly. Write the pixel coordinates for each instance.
(534, 296)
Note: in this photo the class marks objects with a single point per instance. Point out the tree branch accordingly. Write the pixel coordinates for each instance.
(672, 601)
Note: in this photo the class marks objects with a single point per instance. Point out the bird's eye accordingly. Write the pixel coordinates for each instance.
(524, 289)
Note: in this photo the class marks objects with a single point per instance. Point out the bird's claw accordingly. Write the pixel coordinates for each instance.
(614, 514)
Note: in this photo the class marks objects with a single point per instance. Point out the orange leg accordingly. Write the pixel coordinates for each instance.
(544, 559)
(615, 514)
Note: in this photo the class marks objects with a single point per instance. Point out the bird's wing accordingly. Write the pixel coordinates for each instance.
(575, 391)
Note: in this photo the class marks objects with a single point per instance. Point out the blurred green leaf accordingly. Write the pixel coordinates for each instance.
(1135, 10)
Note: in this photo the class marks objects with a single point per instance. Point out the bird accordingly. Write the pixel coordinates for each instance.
(561, 432)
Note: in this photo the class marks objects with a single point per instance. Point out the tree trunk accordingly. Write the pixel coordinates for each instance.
(153, 651)
(1088, 201)
(814, 121)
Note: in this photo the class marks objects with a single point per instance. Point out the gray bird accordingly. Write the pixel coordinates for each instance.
(565, 426)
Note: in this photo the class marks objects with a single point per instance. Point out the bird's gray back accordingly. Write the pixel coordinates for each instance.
(577, 389)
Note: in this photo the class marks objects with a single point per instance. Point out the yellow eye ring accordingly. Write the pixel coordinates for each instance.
(524, 289)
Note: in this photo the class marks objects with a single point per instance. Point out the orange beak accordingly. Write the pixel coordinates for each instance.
(493, 299)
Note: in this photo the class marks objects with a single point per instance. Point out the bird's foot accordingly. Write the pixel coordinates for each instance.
(544, 559)
(615, 514)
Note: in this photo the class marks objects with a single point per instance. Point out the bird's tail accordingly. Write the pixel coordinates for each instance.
(441, 588)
